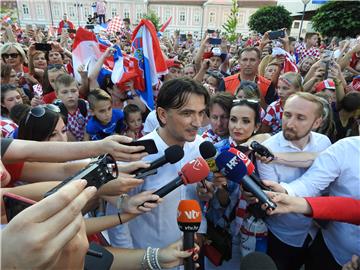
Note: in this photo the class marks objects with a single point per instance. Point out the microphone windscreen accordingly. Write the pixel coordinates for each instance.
(257, 260)
(207, 150)
(231, 166)
(195, 171)
(174, 153)
(249, 165)
(189, 215)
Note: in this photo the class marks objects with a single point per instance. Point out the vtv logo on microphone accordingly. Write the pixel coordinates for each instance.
(192, 214)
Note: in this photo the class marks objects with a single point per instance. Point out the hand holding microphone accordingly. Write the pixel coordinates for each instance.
(189, 220)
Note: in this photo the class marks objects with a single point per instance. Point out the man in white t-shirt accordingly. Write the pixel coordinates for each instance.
(180, 110)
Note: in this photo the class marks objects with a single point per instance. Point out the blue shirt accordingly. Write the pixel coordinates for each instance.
(98, 131)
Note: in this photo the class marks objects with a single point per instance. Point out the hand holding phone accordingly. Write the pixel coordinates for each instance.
(276, 34)
(215, 41)
(150, 146)
(42, 46)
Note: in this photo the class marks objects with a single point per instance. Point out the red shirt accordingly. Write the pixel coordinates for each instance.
(15, 170)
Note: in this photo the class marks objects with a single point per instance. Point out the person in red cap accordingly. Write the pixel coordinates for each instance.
(175, 68)
(326, 89)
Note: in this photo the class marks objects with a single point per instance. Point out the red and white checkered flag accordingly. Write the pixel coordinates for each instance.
(114, 25)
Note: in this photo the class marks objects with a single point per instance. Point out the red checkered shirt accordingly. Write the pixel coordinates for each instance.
(76, 123)
(210, 136)
(7, 128)
(304, 53)
(273, 116)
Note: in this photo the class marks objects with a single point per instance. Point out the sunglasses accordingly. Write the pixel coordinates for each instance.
(8, 55)
(245, 100)
(39, 111)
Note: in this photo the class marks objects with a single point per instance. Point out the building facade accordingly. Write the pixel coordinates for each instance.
(193, 16)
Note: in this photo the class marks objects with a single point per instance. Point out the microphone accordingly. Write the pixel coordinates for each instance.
(189, 219)
(208, 152)
(234, 169)
(192, 172)
(257, 260)
(250, 167)
(171, 155)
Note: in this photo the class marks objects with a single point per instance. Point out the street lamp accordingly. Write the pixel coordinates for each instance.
(305, 2)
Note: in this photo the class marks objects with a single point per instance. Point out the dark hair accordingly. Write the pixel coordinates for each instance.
(351, 102)
(175, 93)
(223, 99)
(250, 49)
(5, 88)
(292, 39)
(249, 88)
(130, 108)
(96, 95)
(252, 104)
(38, 128)
(5, 71)
(48, 52)
(308, 35)
(126, 20)
(18, 112)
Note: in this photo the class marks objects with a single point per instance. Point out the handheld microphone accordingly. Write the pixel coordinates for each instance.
(172, 155)
(250, 167)
(189, 219)
(234, 169)
(257, 260)
(208, 152)
(192, 172)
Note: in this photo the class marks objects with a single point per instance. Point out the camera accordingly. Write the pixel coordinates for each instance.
(98, 172)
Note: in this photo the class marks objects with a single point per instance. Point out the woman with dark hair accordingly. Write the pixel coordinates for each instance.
(43, 123)
(10, 96)
(8, 75)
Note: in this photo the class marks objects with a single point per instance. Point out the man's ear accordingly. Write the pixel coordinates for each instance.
(317, 123)
(161, 114)
(91, 112)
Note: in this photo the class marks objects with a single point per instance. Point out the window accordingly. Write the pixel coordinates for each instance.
(138, 16)
(39, 9)
(241, 18)
(182, 17)
(71, 11)
(197, 17)
(212, 17)
(167, 13)
(56, 10)
(126, 13)
(296, 25)
(25, 9)
(86, 12)
(113, 12)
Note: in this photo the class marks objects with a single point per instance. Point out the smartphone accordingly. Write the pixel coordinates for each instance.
(277, 34)
(150, 146)
(210, 31)
(14, 204)
(183, 37)
(215, 41)
(90, 26)
(72, 31)
(42, 47)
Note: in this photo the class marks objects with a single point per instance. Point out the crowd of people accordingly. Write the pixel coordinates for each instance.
(298, 98)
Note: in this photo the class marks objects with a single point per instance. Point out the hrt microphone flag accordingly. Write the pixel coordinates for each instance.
(147, 51)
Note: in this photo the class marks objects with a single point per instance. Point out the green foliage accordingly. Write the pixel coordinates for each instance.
(154, 18)
(338, 18)
(10, 12)
(270, 18)
(230, 25)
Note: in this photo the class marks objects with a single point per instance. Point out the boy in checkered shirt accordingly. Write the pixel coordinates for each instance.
(75, 110)
(309, 49)
(105, 120)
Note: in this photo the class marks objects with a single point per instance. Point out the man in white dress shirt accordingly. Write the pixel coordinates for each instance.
(290, 234)
(180, 109)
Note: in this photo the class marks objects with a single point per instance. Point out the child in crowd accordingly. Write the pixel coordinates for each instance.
(133, 121)
(75, 110)
(105, 120)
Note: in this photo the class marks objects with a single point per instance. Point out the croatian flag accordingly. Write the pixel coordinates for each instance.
(85, 49)
(7, 19)
(151, 62)
(163, 27)
(118, 69)
(289, 66)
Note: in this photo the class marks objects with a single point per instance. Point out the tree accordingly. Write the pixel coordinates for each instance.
(270, 18)
(231, 23)
(338, 18)
(151, 16)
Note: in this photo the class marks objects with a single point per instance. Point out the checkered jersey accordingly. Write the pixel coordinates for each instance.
(304, 53)
(76, 123)
(210, 136)
(7, 128)
(114, 25)
(273, 116)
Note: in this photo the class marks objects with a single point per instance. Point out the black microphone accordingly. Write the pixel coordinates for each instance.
(257, 260)
(192, 172)
(208, 152)
(172, 155)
